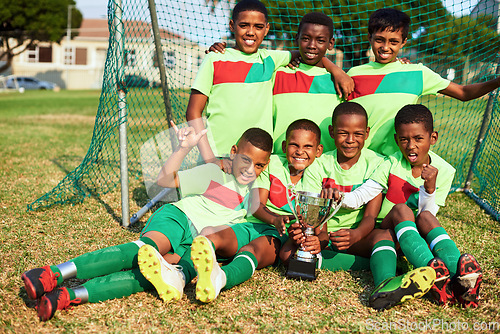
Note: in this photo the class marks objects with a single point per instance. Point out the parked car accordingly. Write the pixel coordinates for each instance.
(17, 82)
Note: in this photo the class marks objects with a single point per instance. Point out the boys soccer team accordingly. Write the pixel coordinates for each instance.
(235, 206)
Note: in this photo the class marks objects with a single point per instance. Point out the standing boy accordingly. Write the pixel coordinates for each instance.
(210, 196)
(253, 244)
(345, 168)
(236, 85)
(386, 85)
(308, 89)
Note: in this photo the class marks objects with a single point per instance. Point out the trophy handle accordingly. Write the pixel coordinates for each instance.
(339, 205)
(290, 187)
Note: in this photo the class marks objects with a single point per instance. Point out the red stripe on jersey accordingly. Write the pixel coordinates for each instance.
(277, 192)
(297, 82)
(398, 190)
(230, 71)
(365, 85)
(330, 183)
(222, 195)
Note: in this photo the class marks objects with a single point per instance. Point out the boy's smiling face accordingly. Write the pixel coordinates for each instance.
(415, 141)
(249, 30)
(349, 133)
(313, 42)
(301, 149)
(386, 45)
(248, 161)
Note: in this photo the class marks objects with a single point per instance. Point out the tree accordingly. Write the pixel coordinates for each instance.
(25, 23)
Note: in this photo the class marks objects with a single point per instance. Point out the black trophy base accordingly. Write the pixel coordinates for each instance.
(303, 270)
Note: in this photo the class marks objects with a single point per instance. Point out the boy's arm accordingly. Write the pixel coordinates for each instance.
(265, 215)
(358, 197)
(196, 104)
(344, 85)
(188, 138)
(345, 238)
(427, 192)
(470, 92)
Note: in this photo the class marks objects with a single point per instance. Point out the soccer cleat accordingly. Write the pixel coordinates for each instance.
(441, 290)
(57, 299)
(39, 281)
(468, 280)
(395, 290)
(167, 279)
(211, 278)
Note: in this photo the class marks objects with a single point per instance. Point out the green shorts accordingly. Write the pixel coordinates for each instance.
(247, 232)
(174, 224)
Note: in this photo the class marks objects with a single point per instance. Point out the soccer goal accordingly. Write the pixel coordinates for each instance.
(156, 48)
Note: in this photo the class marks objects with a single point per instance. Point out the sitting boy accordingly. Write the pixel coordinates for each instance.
(210, 197)
(345, 168)
(236, 85)
(253, 244)
(386, 79)
(417, 183)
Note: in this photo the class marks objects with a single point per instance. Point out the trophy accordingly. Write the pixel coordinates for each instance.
(314, 211)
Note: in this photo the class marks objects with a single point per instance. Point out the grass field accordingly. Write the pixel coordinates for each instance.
(43, 135)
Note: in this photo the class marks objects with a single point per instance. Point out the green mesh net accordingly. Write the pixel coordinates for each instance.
(463, 49)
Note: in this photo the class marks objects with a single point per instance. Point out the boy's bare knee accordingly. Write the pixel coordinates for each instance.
(426, 221)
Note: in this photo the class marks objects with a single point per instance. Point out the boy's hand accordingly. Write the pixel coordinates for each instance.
(429, 175)
(330, 193)
(345, 238)
(344, 85)
(296, 234)
(294, 63)
(217, 47)
(187, 137)
(312, 244)
(226, 165)
(404, 60)
(280, 223)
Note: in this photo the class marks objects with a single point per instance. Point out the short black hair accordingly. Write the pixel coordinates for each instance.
(389, 18)
(316, 18)
(258, 138)
(304, 124)
(349, 108)
(414, 113)
(252, 5)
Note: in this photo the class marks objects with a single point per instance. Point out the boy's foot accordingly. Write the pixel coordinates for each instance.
(57, 299)
(168, 279)
(211, 278)
(395, 290)
(468, 281)
(39, 281)
(441, 290)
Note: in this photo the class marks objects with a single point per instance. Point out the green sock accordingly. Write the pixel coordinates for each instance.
(414, 247)
(109, 260)
(443, 247)
(116, 285)
(335, 261)
(383, 261)
(56, 270)
(187, 266)
(240, 269)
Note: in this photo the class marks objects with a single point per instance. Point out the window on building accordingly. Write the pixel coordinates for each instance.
(169, 58)
(75, 56)
(39, 54)
(130, 58)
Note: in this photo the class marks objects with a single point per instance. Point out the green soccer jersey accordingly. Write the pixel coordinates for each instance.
(383, 89)
(275, 178)
(239, 89)
(394, 174)
(307, 92)
(211, 197)
(327, 173)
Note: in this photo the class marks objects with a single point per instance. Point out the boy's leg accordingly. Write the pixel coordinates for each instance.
(115, 285)
(335, 261)
(258, 246)
(391, 290)
(412, 244)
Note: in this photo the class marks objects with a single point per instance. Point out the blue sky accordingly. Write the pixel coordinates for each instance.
(98, 8)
